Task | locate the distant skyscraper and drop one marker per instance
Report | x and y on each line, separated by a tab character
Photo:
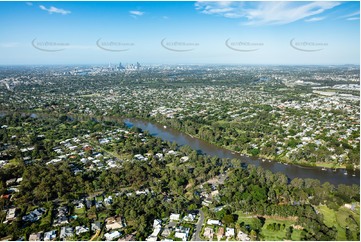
120	67
138	66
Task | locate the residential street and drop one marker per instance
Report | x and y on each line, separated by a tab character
198	227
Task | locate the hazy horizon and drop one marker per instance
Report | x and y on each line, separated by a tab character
199	33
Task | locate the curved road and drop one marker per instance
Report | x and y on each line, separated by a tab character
198	227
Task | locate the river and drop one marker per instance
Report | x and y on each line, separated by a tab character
340	176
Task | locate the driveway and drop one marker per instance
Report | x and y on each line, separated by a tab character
199	226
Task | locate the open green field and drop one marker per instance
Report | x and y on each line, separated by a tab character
341	219
248	219
267	234
330	165
281	234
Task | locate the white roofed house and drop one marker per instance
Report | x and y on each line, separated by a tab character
174	217
230	232
157	226
184	159
81	229
189	218
50	235
182	233
112	235
108	200
11	214
79	205
66	232
214	222
10	182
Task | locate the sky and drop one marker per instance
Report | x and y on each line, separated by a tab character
254	33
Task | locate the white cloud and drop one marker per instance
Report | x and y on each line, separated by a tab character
351	14
315	19
353	18
54	10
136	13
265	13
29	3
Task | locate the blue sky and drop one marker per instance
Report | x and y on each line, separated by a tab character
180	32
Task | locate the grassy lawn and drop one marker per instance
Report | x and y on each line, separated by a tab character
338	219
99	198
246	218
328	214
267	234
79	211
341	216
296	235
329	218
330	165
344	213
277	235
102	216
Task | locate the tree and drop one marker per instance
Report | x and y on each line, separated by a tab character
229	219
253	235
289	233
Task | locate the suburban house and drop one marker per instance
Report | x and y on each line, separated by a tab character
114	223
61	217
112	235
208	233
189	218
182	233
242	236
128	237
214	222
50	235
96	226
34	215
11	214
66	232
174	217
166	232
230	232
220	233
36	236
108	200
184	159
81	229
157	226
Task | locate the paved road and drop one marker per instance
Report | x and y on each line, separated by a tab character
198	227
95	235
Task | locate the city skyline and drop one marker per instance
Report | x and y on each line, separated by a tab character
254	33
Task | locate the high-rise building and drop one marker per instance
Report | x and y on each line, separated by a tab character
120	67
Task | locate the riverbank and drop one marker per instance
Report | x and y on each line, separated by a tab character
338	176
280	159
